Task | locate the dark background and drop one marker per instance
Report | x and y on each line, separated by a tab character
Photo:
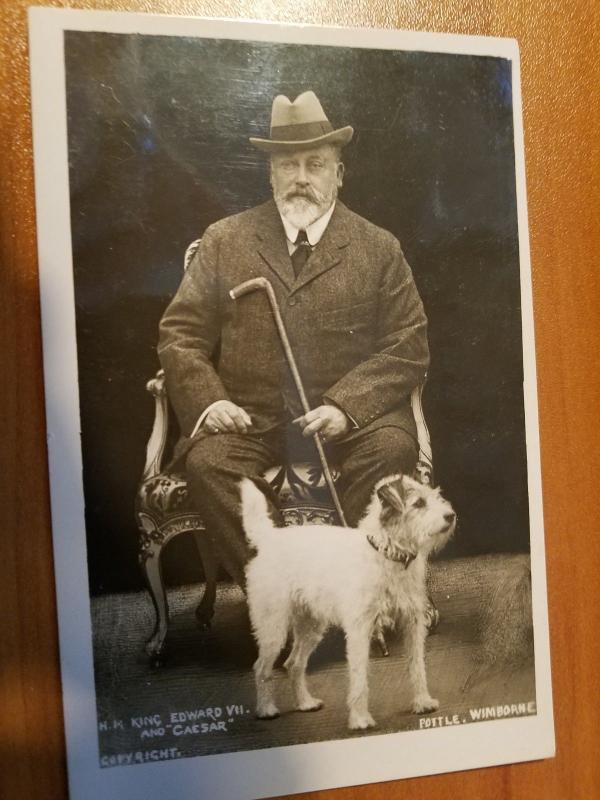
158	149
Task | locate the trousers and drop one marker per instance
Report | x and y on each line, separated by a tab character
215	465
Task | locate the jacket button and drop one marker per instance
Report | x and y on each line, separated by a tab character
292	301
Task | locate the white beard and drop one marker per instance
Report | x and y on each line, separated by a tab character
302	212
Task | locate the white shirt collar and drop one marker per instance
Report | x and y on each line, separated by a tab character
314	232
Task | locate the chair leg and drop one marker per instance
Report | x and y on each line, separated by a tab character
432	615
155	645
210	566
432	620
378	637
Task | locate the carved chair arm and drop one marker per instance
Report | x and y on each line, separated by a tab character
425	462
191	251
155	448
158	438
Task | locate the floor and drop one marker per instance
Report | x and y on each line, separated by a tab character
201	700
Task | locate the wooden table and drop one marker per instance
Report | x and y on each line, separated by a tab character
559	44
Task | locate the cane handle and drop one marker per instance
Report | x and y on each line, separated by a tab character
249	286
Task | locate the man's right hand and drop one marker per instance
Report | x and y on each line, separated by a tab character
226	417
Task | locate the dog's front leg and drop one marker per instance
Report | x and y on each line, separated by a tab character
415	635
357	652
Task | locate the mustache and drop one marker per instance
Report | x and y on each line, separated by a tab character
309	194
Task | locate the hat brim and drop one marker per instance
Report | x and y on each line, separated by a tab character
340	137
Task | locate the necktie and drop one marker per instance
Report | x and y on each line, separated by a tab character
302	252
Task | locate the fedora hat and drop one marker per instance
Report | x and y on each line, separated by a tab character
300	124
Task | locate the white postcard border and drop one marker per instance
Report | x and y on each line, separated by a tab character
279	770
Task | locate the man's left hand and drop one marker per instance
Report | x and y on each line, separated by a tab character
329	421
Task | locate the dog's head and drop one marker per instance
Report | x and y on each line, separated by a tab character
413	516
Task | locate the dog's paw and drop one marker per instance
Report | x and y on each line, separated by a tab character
360	722
268	711
310	704
425	705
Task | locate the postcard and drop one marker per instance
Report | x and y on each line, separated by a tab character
291	404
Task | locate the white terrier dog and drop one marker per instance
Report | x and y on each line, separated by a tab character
312	576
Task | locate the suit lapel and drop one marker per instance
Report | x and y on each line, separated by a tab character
273	250
330	250
272	245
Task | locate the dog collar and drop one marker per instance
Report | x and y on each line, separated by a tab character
393	553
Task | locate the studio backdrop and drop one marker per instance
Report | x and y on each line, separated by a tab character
158	131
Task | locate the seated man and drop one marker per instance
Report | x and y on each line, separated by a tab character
354	319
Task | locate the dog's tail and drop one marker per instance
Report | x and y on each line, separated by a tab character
255	512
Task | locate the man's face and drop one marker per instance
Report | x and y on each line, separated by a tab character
305	183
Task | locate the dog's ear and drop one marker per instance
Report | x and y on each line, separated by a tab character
392	494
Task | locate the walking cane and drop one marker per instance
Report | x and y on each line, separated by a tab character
264	285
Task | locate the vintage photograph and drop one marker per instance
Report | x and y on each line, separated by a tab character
301	351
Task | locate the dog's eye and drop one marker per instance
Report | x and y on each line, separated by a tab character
419	503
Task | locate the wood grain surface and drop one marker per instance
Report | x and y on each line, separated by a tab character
560	44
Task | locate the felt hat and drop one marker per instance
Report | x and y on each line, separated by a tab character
300	125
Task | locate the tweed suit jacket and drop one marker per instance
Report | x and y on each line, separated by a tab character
353	316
